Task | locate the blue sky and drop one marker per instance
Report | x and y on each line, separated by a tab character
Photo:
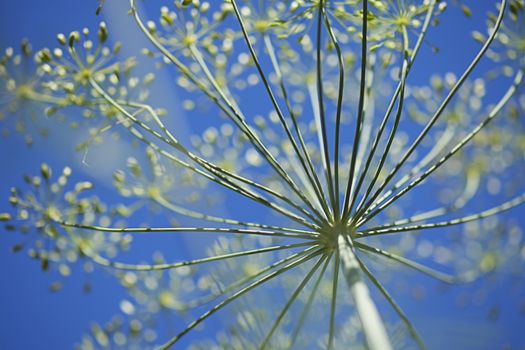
33	318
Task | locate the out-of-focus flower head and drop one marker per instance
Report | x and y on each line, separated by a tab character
389	21
498	147
121	332
80	61
41	212
162	182
192	23
154	292
302	14
509	47
81	69
197	35
23	91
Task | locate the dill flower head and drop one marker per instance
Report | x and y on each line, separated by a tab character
325	147
40	212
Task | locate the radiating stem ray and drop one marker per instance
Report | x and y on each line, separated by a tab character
314	98
393	100
95	257
220	179
217	178
333	300
290	301
266	84
310	171
323	144
241	123
235	117
442	142
360	109
156	267
458	221
443	105
467	194
221	230
368	124
201	216
215	170
307	307
237	284
411	329
438	275
339	108
230	102
233	297
492	114
430	214
384	155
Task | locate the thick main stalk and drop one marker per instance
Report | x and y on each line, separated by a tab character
372	324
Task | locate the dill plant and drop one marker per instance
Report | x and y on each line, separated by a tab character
338	140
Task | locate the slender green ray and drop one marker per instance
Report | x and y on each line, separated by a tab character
411	329
310	171
492	114
443	105
233	297
340	92
458	221
206	217
220	230
237	284
274	102
392	102
360	108
290	301
320	103
307	307
440	276
155	267
404	71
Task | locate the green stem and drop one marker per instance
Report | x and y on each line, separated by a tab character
372	325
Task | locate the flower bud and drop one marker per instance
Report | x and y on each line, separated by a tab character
74	36
61	39
102	32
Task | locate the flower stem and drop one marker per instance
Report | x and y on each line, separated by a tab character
372	324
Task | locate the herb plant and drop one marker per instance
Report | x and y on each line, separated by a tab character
341	167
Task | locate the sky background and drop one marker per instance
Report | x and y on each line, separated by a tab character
33	318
